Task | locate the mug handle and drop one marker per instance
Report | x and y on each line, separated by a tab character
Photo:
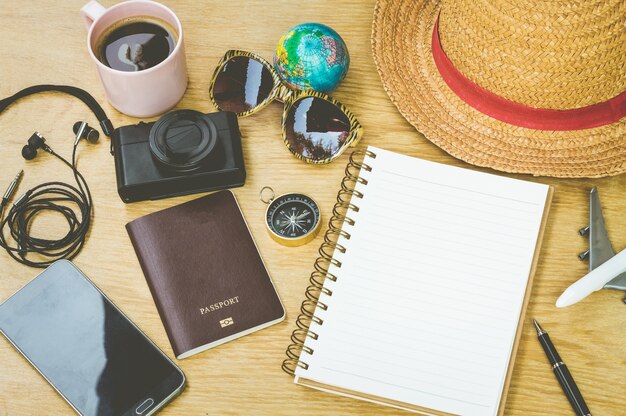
90	12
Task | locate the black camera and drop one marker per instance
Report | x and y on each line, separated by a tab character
184	152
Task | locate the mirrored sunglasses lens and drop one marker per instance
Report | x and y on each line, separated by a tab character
242	84
316	129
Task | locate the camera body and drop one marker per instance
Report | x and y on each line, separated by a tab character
184	152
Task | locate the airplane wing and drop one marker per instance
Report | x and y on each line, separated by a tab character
600	248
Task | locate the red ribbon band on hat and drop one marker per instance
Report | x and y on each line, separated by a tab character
521	115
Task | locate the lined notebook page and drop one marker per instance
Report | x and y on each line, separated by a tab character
428	297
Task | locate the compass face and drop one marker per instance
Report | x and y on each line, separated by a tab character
292	216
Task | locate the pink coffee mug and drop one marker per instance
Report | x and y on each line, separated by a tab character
144	93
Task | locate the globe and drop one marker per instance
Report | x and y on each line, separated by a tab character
312	56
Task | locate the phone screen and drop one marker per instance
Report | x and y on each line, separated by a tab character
91	353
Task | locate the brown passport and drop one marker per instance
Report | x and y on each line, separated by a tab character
205	273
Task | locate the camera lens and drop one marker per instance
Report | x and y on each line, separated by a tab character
184	140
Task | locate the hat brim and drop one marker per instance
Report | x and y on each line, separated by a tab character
401	42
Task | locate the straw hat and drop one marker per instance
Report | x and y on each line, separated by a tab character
527	86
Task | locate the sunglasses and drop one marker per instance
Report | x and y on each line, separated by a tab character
316	128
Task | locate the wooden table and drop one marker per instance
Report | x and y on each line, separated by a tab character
45	42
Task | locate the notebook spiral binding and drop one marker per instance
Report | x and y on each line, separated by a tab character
322	263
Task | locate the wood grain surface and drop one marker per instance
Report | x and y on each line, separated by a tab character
45	42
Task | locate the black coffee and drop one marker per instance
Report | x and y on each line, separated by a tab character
136	44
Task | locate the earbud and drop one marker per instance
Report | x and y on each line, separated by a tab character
82	130
35	142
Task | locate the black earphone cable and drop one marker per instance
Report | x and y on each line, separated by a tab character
49	196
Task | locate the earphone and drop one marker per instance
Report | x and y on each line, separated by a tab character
82	130
37	141
50	196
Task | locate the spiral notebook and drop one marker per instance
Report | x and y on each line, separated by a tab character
419	297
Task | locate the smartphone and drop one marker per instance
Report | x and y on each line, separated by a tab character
86	348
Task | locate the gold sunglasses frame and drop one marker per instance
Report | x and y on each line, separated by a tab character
281	92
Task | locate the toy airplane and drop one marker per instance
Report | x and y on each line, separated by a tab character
606	269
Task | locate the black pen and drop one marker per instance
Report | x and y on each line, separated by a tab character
562	374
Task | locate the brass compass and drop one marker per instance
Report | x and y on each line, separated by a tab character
291	219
